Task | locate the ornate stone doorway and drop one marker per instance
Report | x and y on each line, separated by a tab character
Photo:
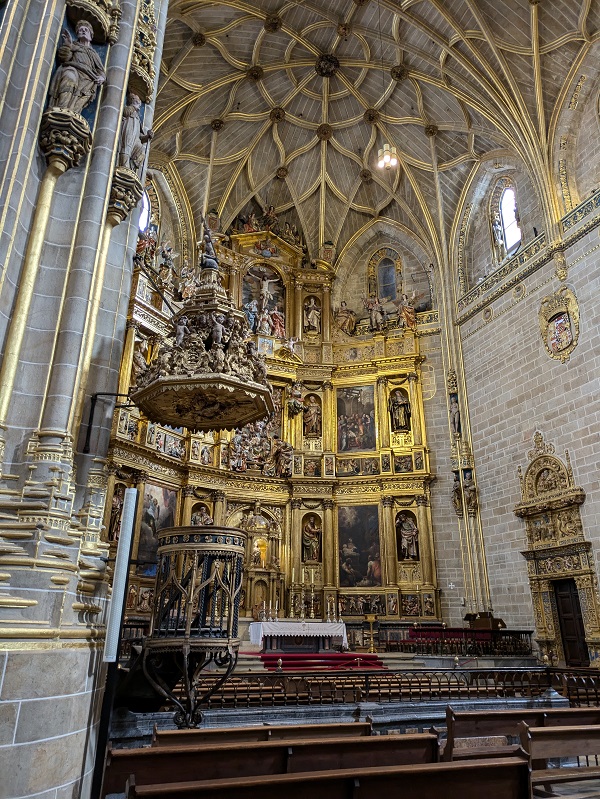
570	620
560	562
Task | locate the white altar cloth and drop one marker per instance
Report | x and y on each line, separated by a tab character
306	629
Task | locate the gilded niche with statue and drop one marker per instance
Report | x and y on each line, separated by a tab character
332	487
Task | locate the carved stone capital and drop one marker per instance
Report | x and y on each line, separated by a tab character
218	496
382	381
188	491
328	385
422	500
412	377
328	504
388	502
296	504
65	138
125	193
139	477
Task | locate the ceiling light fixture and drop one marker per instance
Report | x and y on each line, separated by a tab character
387	156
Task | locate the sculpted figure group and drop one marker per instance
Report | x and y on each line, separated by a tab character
206	343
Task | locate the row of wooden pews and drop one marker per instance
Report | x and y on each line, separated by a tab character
464	729
348	760
331	760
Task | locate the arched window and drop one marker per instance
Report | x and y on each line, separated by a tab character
144	213
387	278
510	222
504	219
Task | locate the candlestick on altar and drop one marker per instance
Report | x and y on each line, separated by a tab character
292	575
302	602
312	576
292	602
329	610
312	602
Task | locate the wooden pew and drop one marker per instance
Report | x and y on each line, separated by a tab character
157	765
503	778
542	743
259	733
485	723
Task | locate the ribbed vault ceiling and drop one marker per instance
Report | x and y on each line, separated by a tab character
239	98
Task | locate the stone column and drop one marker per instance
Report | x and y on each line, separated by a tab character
139	482
425	541
296	539
298	310
329	545
188	502
220	507
383	419
389	555
415	405
82	288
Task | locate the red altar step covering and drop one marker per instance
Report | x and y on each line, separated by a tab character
320	661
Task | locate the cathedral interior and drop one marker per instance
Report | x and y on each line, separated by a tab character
375	192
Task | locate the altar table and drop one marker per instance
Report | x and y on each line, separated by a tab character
298	636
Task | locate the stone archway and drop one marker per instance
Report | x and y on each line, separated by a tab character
556	548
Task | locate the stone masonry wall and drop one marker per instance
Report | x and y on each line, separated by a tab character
514	389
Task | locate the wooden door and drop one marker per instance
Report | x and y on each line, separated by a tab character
571	623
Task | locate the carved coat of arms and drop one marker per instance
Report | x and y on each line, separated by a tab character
559	323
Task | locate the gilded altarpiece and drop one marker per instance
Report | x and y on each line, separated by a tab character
557	548
333	489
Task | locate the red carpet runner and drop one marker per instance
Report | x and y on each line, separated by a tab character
320	661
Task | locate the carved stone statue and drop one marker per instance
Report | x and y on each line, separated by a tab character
311	540
294	402
312	316
498	235
312	416
374	307
138	363
454	415
75	82
209	255
256	555
457	496
201	518
345	319
132	138
400	413
408	536
470	493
